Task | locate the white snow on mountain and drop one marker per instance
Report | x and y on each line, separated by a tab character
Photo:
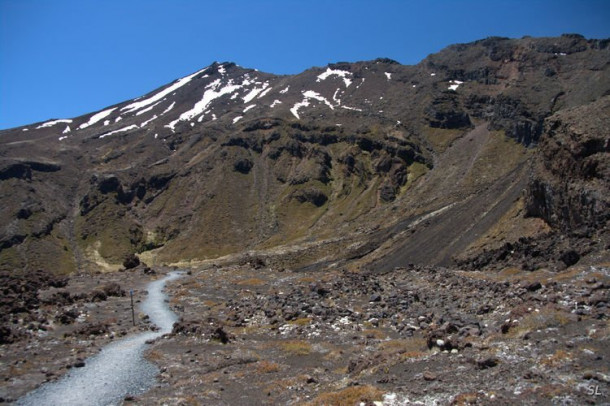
249	107
160	95
236	119
388	75
255	92
265	92
350	108
97	117
66	130
335	97
171	106
285	90
295	109
336	72
148	121
454	84
275	103
129	127
53	122
310	94
214	91
149	108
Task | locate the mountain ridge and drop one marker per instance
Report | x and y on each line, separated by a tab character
285	158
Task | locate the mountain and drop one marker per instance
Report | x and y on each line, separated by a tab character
477	155
344	231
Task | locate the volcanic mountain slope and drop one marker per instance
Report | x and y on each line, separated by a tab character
374	160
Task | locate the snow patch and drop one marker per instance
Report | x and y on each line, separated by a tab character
156	97
66	130
310	94
336	98
249	108
130	127
295	109
52	123
62	138
255	92
350	108
388	75
119	118
275	103
283	91
236	119
336	72
212	93
454	84
264	93
148	108
433	74
96	117
106	122
171	106
148	121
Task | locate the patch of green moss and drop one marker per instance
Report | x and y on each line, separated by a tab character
10	259
440	139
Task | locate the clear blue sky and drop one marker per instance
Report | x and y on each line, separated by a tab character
63	58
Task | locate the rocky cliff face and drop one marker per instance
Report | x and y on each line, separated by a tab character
353	160
570	187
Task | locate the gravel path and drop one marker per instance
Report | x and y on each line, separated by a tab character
119	369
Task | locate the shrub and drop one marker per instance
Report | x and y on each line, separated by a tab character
349	396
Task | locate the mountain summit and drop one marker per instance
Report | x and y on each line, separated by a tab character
374	160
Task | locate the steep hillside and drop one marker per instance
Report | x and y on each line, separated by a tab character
375	161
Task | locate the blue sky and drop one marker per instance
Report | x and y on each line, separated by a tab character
61	58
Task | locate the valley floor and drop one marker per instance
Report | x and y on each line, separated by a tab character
250	334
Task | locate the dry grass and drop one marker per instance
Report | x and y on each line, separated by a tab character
544	318
154	355
348	397
250	282
296	347
267	367
558	359
467	398
404	346
301	322
373	333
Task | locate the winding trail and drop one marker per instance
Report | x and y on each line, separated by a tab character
119	369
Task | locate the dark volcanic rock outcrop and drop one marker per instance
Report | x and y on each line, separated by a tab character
570	188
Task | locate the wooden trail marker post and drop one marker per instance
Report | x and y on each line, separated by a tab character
133	315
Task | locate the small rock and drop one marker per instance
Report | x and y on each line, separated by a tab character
79	364
486	363
429	376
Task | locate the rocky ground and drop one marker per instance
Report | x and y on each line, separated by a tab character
251	334
52	324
